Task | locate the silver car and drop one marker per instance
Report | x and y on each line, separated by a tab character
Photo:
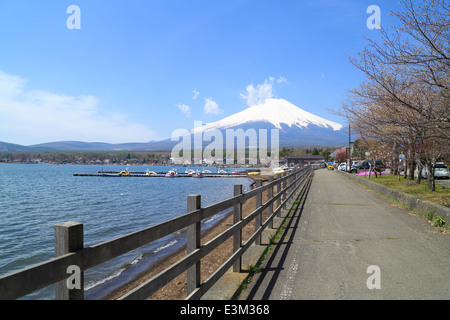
440	171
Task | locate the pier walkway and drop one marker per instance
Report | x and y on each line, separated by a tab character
347	242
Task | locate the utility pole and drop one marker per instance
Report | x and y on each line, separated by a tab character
349	149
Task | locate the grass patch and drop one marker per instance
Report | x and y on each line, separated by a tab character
441	196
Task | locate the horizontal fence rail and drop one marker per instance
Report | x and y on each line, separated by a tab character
69	250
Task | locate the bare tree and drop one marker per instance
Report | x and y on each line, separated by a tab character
404	100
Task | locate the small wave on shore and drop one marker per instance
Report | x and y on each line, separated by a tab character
101	287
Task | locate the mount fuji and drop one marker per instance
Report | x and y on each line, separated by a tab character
276	112
296	127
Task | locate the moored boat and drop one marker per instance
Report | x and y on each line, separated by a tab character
198	174
172	173
150	173
110	174
125	172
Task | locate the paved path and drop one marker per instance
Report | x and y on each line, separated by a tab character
338	233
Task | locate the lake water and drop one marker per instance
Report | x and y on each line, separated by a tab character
33	198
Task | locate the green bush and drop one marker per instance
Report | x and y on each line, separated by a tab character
439	221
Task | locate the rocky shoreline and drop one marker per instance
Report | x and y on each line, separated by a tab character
176	289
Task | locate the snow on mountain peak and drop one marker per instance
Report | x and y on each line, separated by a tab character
278	112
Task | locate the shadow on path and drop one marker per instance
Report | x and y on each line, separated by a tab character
282	248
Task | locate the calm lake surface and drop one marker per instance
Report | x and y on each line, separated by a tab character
33	198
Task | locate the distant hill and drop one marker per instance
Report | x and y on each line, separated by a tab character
296	127
4	146
66	146
76	146
91	146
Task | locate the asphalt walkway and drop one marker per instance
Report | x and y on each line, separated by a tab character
346	242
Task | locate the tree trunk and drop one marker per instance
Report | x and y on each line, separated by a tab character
412	169
419	172
431	182
405	168
411	161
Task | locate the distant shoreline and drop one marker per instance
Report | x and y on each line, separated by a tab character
135	164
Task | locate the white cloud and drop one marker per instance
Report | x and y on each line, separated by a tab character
282	80
262	92
211	107
35	116
259	94
196	93
185	109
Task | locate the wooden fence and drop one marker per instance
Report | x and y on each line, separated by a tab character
71	256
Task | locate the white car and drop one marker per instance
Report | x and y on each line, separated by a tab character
342	166
440	171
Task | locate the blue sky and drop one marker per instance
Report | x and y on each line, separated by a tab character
139	69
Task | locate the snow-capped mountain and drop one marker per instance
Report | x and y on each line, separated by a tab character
277	112
297	127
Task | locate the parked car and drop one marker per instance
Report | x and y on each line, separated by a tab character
380	165
364	165
342	166
367	164
440	171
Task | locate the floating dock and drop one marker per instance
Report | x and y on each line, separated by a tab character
158	175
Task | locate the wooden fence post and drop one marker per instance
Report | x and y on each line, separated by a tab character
269	197
284	189
237	238
69	238
193	243
258	218
278	192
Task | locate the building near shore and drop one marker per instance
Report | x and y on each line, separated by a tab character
303	160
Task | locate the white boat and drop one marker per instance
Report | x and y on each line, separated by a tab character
150	173
172	173
198	174
279	169
190	172
110	174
